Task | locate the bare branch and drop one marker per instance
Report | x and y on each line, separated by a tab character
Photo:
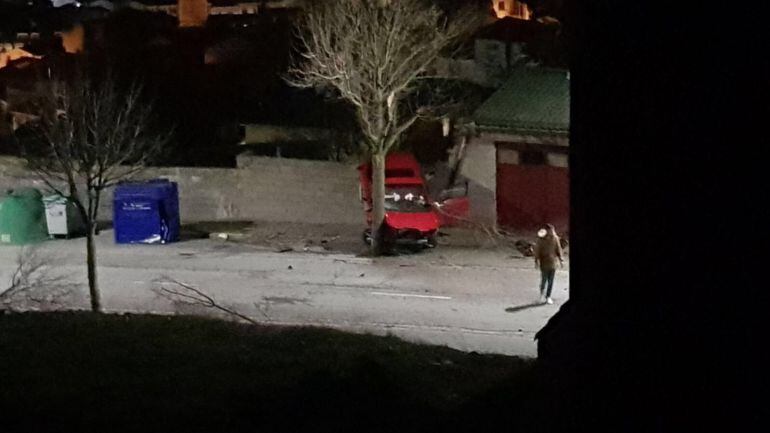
187	294
32	280
99	137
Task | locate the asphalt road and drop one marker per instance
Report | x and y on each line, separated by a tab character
466	299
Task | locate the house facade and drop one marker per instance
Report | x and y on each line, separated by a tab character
515	155
501	45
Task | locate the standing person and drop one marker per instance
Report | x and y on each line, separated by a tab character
547	252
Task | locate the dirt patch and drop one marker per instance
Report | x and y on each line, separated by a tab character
286	236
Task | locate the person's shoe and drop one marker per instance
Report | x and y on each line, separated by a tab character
549	301
542	299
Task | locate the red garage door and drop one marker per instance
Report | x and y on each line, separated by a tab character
530	192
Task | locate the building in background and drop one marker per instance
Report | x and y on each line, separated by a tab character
511	8
515	158
11	51
503	44
195	13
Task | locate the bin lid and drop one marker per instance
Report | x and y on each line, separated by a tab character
158	189
54	199
32	193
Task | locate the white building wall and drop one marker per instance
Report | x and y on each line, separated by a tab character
479	167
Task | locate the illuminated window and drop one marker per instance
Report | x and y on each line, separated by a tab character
511	8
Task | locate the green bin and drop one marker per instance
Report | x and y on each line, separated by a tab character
22	217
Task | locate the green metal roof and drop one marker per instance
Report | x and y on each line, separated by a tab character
532	100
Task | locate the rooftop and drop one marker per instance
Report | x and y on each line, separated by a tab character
532	100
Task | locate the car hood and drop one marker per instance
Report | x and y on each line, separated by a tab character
422	221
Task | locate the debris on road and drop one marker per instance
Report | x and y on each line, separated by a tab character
526	248
325	243
305	237
346	238
218	230
226	236
314	249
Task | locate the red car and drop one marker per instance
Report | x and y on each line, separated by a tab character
410	217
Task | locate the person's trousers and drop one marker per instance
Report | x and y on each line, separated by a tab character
546	281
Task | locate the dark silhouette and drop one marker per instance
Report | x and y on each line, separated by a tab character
662	153
518	308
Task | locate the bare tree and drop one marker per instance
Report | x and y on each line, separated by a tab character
32	281
375	54
95	136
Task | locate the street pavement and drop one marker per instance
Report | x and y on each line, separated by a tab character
472	300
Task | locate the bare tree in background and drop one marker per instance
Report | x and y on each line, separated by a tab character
95	135
374	54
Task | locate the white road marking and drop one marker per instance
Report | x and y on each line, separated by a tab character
410	295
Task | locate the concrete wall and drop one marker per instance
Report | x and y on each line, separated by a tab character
261	188
300	190
479	167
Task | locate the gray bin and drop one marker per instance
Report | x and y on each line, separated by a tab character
62	217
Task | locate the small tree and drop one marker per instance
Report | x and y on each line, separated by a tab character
94	136
374	54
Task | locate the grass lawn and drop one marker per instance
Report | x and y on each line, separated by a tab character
85	372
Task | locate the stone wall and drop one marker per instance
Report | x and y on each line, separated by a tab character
261	188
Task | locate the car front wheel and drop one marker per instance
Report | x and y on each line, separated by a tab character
366	236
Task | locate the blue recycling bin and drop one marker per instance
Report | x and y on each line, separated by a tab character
146	212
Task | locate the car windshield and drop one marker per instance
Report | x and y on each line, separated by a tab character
406	199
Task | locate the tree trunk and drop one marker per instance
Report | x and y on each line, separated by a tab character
93	286
456	161
378	203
